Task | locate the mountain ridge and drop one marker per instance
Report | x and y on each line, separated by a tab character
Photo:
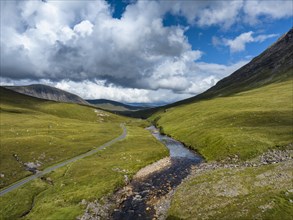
48	93
275	64
113	105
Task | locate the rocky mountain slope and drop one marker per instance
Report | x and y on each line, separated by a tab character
48	92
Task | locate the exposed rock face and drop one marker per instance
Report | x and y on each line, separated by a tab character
48	92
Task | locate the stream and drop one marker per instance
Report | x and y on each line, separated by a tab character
148	191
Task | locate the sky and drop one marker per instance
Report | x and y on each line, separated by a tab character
130	51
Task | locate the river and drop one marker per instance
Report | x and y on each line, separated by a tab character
145	193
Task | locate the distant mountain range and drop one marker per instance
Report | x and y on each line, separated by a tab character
48	92
54	94
115	106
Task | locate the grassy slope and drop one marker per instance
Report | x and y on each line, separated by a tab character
49	132
243	193
245	124
89	179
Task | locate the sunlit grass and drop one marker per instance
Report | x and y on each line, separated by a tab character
47	132
245	124
89	179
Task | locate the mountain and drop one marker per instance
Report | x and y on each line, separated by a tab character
244	117
148	105
275	64
114	106
244	114
48	92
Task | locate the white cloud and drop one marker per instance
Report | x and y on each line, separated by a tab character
227	13
271	9
263	37
79	43
238	43
205	13
98	90
82	41
84	28
208	74
203	77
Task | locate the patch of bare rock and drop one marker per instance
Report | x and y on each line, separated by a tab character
154	167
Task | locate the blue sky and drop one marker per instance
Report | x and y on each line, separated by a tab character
135	51
201	37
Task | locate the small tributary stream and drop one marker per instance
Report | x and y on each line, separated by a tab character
145	192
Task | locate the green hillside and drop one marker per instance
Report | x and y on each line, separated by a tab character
245	124
60	194
244	114
271	66
47	132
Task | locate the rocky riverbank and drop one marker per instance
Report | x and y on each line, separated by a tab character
142	196
260	188
269	157
149	194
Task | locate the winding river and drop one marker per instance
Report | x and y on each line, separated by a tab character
145	193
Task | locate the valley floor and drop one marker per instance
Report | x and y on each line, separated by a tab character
260	188
64	193
247	134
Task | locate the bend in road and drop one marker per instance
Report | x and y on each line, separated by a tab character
64	163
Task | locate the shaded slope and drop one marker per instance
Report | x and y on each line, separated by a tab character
48	92
113	105
275	64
